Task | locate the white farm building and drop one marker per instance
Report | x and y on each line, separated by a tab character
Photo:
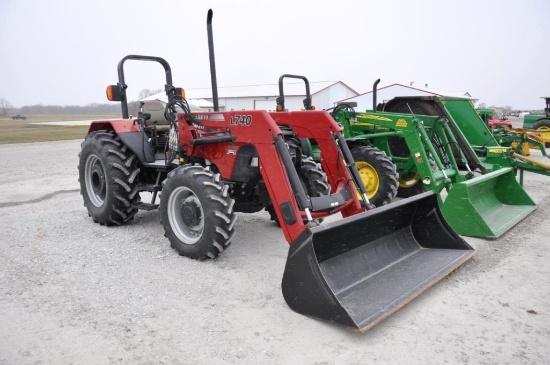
263	97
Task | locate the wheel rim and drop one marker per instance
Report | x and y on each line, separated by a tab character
369	176
186	215
409	181
544	131
94	178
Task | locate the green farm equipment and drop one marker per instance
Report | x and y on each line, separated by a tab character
520	139
540	123
427	154
495	149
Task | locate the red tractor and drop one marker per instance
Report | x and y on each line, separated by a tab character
209	165
499	119
493	119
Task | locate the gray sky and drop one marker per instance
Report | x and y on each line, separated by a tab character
65	52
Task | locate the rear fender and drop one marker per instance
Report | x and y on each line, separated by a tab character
130	134
530	120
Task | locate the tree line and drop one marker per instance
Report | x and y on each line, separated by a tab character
94	108
90	109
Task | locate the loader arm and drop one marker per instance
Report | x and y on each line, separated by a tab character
417	134
494	148
259	128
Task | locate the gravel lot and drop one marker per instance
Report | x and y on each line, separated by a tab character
74	292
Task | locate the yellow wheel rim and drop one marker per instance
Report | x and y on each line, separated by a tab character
408	182
370	178
544	131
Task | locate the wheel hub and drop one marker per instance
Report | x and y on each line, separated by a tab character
95	180
190	212
98	180
409	180
369	176
544	131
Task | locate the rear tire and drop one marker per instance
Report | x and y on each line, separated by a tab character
543	126
197	212
108	173
378	173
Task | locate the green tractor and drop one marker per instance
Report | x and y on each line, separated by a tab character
429	153
475	201
540	123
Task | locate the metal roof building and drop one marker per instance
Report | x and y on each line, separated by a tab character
263	97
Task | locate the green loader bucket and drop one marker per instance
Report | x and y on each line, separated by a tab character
361	269
487	206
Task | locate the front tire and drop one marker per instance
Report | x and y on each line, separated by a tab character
410	183
197	212
108	173
378	173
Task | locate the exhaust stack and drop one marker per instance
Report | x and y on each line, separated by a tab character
374	91
212	60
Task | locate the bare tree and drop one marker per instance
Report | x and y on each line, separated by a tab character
147	92
4	106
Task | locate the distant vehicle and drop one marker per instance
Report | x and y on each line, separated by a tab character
539	121
499	119
19	116
493	119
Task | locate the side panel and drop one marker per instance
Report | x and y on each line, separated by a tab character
251	127
469	122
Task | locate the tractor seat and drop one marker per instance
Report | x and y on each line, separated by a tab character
156	109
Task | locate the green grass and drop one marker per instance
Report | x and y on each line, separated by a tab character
22	131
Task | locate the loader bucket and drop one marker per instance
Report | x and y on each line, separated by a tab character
361	269
487	206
